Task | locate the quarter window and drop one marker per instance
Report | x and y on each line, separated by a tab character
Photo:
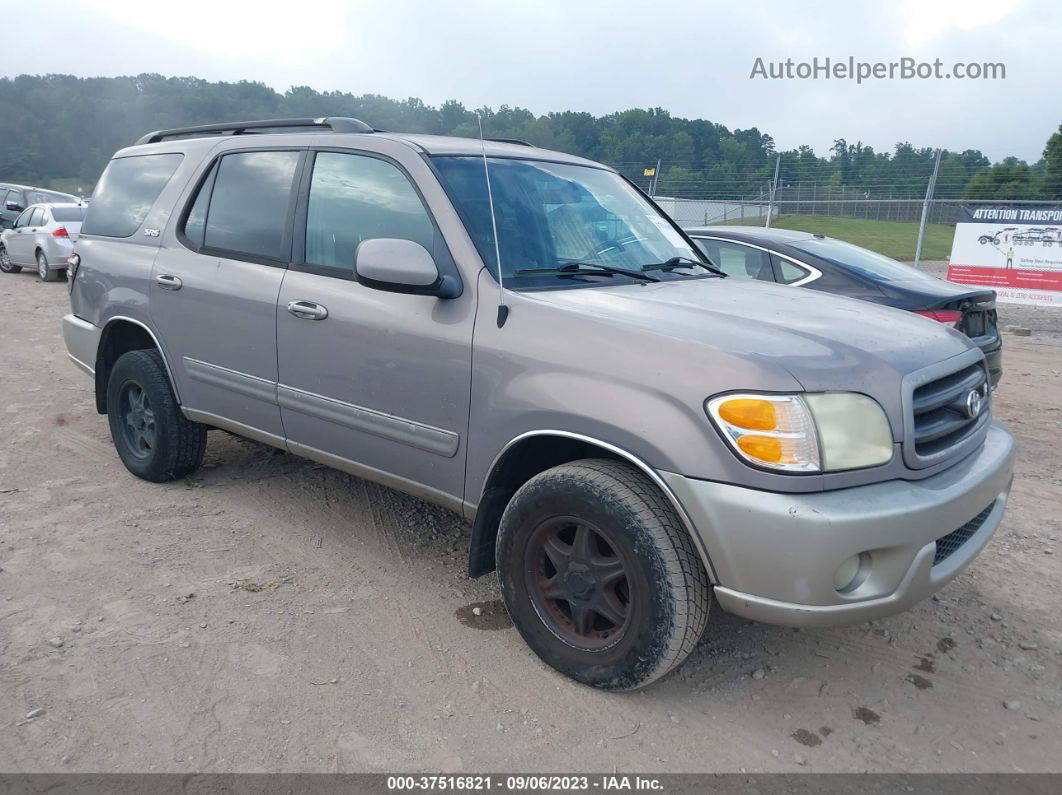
247	210
37	219
126	192
195	224
734	259
355	198
790	272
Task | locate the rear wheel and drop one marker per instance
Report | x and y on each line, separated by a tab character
153	438
45	273
599	575
6	265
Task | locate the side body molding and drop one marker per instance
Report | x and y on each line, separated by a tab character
388	426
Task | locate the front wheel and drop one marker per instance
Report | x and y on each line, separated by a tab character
599	575
45	273
6	265
153	438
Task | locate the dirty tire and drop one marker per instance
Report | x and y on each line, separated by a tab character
668	595
6	265
45	273
177	445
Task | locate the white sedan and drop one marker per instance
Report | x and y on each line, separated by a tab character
43	237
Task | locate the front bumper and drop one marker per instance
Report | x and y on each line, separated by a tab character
82	339
775	555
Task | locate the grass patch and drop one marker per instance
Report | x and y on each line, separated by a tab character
896	239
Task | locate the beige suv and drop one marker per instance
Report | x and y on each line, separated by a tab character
522	336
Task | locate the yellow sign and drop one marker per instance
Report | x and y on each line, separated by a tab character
649	172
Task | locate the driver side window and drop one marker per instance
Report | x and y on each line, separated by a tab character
355	198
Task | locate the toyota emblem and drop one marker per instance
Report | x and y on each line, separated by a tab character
973	403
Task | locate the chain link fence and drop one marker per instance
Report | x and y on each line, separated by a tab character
910	199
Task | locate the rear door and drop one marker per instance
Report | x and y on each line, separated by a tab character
42	230
215	293
378	383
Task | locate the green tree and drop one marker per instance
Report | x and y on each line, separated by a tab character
1012	179
1052	179
60	126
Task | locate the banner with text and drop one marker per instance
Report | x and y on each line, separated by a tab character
1014	249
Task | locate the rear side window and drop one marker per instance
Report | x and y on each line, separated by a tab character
355	198
37	219
246	210
734	259
126	191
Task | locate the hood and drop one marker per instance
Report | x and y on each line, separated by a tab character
825	342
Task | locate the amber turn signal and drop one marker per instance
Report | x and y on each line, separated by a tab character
753	414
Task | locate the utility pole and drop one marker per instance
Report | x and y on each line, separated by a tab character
925	209
774	189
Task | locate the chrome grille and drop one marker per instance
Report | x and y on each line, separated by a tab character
942	411
950	543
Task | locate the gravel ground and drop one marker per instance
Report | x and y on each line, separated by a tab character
269	614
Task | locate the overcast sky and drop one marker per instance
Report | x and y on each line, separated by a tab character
692	58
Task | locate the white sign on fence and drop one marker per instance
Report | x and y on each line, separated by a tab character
1015	249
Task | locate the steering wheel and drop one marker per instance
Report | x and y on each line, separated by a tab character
604	246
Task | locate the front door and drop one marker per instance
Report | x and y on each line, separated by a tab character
373	382
20	242
215	288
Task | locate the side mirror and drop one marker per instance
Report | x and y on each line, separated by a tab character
14	207
401	266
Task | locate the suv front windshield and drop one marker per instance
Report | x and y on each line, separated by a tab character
553	214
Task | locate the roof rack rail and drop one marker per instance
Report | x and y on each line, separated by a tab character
516	141
337	124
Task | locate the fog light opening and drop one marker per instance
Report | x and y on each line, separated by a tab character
851	573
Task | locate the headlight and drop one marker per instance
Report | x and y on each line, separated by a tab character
824	432
853	430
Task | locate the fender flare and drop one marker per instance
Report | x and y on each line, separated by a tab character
154	338
480	531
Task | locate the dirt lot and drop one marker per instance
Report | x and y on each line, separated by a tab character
270	614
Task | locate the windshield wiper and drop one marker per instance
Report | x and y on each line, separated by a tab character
587	269
683	262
